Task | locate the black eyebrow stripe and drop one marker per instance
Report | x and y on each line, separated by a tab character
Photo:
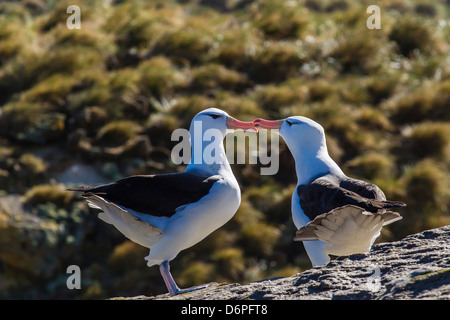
292	122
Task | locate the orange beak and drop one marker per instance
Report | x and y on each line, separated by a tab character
267	124
233	123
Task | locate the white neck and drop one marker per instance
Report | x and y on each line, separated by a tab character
209	157
313	163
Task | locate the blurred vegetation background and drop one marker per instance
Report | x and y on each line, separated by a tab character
93	105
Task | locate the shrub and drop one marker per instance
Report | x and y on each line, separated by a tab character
242	106
235	46
410	34
123	95
276	62
441	102
32	164
425	9
52	90
371	166
429	100
125	254
90	119
337	6
412	106
160	127
319	89
45	193
137	27
187	44
427	195
116	133
354	91
196	272
374	119
186	107
247	214
381	87
131	26
230	262
429	139
29	123
57	13
18	174
11	39
352	138
264	197
279	19
274	98
424	182
19	74
357	51
215	76
83	38
159	77
67	60
259	238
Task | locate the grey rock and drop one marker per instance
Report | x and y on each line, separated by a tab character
417	267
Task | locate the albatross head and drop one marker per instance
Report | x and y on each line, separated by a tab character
213	118
300	133
305	139
207	131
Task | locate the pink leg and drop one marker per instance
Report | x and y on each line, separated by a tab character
164	268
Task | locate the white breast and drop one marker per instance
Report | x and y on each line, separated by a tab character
197	220
298	216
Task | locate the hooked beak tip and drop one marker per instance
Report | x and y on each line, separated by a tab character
267	124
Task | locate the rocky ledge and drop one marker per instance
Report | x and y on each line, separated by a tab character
417	267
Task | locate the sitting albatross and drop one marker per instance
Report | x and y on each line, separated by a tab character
171	212
335	214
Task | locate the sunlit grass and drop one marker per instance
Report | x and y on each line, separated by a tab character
48	193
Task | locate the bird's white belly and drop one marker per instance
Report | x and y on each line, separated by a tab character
298	216
196	221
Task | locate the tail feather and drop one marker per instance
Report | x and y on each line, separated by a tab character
128	224
393	204
346	230
390	217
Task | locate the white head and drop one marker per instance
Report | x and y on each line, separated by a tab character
301	134
207	131
305	139
213	118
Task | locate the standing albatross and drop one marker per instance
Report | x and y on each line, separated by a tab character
171	212
335	214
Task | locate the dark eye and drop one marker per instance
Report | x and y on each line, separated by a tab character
214	116
289	122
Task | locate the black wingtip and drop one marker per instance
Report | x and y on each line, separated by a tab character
87	191
82	189
395	204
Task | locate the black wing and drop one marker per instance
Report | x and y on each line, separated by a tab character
158	195
327	193
363	188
